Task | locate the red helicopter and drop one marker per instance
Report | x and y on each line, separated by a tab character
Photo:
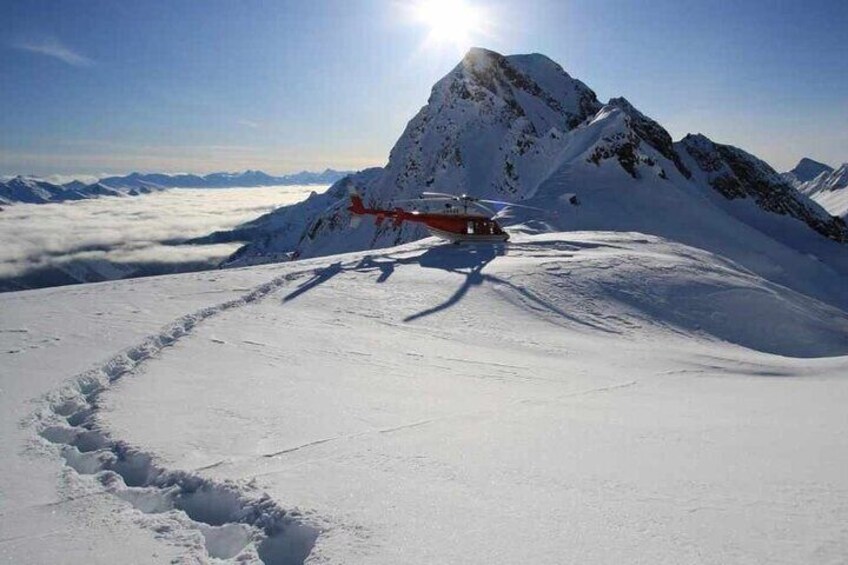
454	223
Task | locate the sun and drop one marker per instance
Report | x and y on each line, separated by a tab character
451	22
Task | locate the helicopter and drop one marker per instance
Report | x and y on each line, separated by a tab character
462	218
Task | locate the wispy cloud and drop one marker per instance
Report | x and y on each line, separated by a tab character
248	123
53	48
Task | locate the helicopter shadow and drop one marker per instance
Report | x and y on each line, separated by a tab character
471	264
469	261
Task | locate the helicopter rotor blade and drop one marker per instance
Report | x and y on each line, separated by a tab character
483	207
440	194
514	205
463	200
424	202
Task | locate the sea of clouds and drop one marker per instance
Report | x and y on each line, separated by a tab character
121	232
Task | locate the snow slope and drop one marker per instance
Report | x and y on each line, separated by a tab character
834	201
46	515
585	397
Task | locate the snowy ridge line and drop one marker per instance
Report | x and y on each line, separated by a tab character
221	520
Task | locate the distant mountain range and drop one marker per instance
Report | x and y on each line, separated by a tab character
822	183
33	190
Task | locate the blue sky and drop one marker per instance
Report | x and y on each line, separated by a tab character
108	86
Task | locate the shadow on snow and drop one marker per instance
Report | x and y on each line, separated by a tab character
466	260
741	315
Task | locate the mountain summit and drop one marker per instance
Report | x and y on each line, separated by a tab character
807	169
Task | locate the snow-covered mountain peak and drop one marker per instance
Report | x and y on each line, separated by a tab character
29	190
519	86
491	127
519	128
808	169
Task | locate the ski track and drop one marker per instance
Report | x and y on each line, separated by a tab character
234	520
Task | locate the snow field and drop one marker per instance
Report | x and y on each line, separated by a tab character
455	393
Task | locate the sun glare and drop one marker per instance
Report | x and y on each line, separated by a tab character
451	22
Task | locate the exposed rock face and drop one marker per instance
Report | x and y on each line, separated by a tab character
737	174
632	140
624	147
652	133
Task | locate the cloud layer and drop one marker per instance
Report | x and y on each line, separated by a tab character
109	233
